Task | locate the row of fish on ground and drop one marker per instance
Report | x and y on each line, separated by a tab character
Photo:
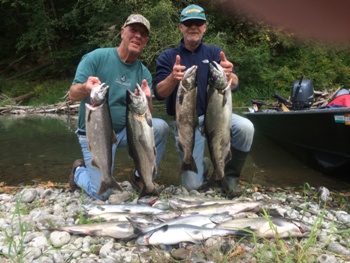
183	219
139	127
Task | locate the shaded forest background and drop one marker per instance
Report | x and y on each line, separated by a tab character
43	40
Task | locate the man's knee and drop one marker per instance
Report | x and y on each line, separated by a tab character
242	135
161	128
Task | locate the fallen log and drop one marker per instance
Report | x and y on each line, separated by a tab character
54	108
22	97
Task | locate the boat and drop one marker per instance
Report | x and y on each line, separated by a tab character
318	136
321	137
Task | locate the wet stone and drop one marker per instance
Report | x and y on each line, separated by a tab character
324	258
58	238
180	254
28	195
44	210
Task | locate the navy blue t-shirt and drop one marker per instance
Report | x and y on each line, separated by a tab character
202	56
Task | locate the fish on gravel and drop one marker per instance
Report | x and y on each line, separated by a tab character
101	136
178	203
268	228
194	220
187	118
118	230
230	209
140	137
174	234
217	121
123	208
120	216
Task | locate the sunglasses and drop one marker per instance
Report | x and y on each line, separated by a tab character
196	22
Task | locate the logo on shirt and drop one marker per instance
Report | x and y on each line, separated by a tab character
205	61
122	81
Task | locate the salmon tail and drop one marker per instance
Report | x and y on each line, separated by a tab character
190	166
111	183
146	191
136	227
94	164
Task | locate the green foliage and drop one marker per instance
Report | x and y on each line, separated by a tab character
164	18
15	236
45	92
45	40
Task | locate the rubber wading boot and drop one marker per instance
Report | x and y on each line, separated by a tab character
193	181
233	171
72	185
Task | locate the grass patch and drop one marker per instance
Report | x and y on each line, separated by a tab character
15	234
41	92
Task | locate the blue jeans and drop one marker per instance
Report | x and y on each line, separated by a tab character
88	178
241	139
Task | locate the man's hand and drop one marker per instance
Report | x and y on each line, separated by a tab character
145	88
226	65
91	83
177	72
167	85
80	91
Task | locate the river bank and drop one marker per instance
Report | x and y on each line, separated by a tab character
29	216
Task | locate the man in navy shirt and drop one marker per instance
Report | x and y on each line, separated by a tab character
170	68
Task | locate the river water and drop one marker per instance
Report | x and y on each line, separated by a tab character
42	148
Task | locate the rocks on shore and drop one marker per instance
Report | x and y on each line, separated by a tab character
28	220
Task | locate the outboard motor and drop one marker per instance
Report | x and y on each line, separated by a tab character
302	95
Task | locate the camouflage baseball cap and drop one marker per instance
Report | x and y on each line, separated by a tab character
137	18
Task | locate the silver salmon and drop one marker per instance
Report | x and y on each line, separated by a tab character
195	220
228	208
101	137
123	208
121	217
174	234
187	118
140	137
217	120
268	228
119	230
178	203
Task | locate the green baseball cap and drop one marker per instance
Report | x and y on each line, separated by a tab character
137	18
192	12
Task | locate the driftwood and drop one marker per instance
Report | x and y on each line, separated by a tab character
63	107
329	97
29	71
22	97
14	62
321	99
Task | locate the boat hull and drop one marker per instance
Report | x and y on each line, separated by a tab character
321	137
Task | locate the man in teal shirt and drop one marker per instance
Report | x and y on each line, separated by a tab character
121	69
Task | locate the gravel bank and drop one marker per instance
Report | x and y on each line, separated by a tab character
28	219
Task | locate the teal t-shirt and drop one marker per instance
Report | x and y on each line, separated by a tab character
106	64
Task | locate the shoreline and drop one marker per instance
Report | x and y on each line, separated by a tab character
29	216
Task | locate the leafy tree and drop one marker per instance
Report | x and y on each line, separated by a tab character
53	35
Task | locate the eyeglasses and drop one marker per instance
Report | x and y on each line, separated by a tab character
196	22
135	29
